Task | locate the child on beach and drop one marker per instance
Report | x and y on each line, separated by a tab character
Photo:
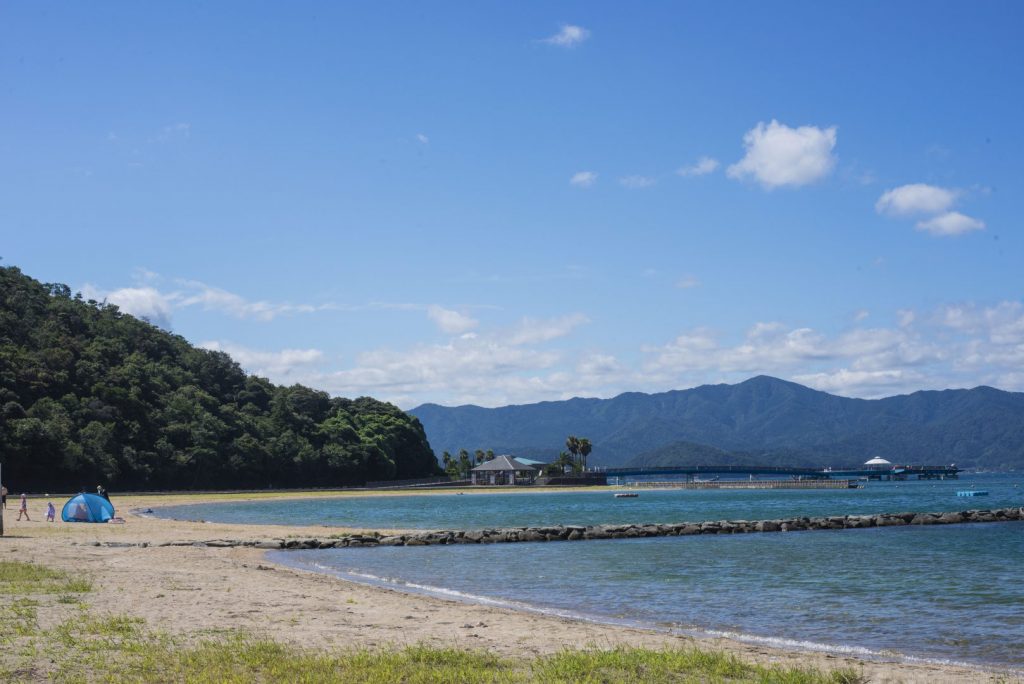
51	512
24	508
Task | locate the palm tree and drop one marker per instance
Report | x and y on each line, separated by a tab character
572	443
585	446
479	454
489	456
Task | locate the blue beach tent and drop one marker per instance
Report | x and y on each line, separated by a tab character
87	508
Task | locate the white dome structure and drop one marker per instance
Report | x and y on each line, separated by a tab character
877	461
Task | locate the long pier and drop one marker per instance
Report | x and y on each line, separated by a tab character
744	484
920	472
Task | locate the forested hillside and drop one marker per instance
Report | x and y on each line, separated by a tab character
91	395
763	418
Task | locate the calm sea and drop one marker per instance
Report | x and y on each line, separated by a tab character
950	593
475	511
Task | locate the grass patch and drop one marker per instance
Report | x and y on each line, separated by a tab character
86	646
679	665
18	578
136	656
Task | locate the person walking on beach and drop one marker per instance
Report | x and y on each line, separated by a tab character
51	512
3	497
24	508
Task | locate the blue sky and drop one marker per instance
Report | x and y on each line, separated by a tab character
506	203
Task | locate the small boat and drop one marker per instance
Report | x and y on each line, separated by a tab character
626	495
973	492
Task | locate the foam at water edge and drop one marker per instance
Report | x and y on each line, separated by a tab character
781	643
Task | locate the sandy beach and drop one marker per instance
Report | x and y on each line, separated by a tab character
197	590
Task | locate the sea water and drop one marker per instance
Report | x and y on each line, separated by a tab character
454	511
947	593
951	593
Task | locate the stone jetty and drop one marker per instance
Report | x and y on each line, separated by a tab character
505	535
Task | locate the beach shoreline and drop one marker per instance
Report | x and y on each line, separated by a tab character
199	589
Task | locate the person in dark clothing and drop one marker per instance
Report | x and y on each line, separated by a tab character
102	492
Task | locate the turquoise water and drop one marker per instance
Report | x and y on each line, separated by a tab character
474	511
949	593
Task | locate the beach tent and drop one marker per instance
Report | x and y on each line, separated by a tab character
87	508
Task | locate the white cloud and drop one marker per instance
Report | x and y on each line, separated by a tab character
282	366
950	223
816	358
142	302
861	383
216	299
687	282
778	155
532	330
636	182
422	138
147	301
569	36
860	315
955	346
450	321
931	201
583	179
704	166
915	198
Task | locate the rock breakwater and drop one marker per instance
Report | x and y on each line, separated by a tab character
504	535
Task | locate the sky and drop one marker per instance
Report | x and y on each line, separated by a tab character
497	203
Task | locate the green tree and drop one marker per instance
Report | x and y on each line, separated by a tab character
572	443
585	448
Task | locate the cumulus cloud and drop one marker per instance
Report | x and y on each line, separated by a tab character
932	201
804	354
861	383
142	302
583	179
568	37
950	223
450	321
777	155
915	198
636	182
702	167
960	345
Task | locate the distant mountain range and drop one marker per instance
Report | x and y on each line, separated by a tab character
761	420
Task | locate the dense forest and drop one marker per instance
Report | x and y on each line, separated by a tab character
90	395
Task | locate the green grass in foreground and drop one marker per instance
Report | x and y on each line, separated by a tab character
85	646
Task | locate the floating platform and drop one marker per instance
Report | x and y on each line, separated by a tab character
973	492
626	495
